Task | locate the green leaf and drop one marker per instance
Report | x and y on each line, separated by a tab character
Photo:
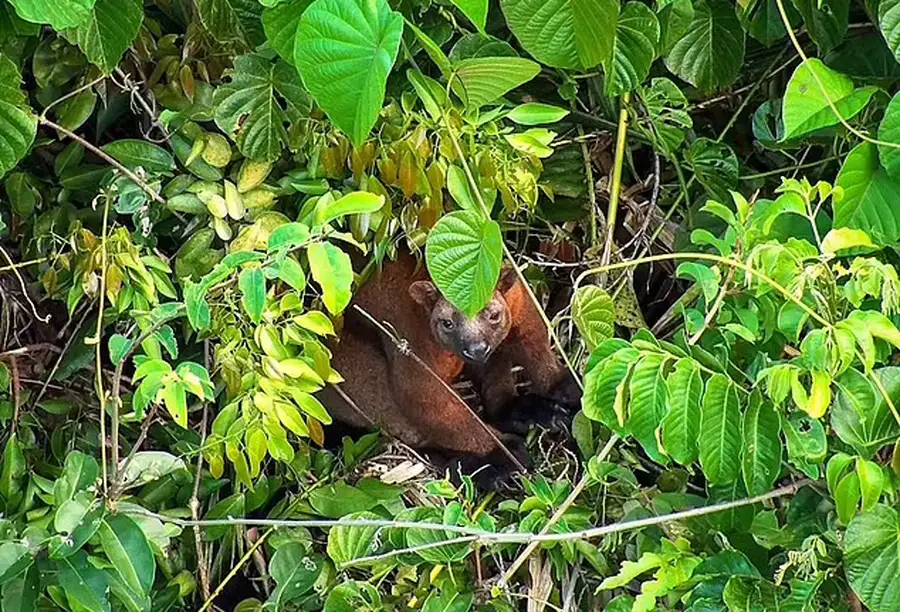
889	131
575	34
353	596
332	270
355	203
175	399
682	421
344	52
889	22
826	21
280	23
20	124
648	395
633	49
79	472
483	80
126	546
871	482
716	167
248	109
475	10
233	20
674	18
594	314
288	236
111	27
351	542
667	113
135	154
463	254
196	306
60	14
762	20
535	113
148	466
871	558
15	558
762	447
846	497
289	271
294	570
805	108
720	431
602	386
860	417
711	52
21	594
706	277
84	584
119	346
869	196
252	283
233	507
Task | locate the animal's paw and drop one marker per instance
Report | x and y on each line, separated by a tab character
530	409
494	470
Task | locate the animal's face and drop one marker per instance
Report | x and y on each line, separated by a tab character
475	339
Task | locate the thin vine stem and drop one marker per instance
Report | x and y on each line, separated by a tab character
98	347
615	186
483	536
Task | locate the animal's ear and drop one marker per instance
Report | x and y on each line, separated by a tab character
425	293
508	278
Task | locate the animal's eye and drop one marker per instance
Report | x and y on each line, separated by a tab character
495	316
447	324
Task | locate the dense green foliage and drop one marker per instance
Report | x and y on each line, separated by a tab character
186	181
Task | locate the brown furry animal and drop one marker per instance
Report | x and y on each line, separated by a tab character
396	393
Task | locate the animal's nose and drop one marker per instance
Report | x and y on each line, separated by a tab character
477	351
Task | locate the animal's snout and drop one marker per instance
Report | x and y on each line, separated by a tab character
476	352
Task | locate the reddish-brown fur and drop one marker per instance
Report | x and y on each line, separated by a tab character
527	345
393	390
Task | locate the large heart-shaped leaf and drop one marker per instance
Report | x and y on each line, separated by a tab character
889	21
574	34
344	52
762	20
870	195
805	108
860	417
20	124
248	109
826	21
280	23
463	255
483	80
60	14
682	421
872	558
294	571
111	27
126	546
633	49
720	431
233	20
594	313
475	10
711	52
889	131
